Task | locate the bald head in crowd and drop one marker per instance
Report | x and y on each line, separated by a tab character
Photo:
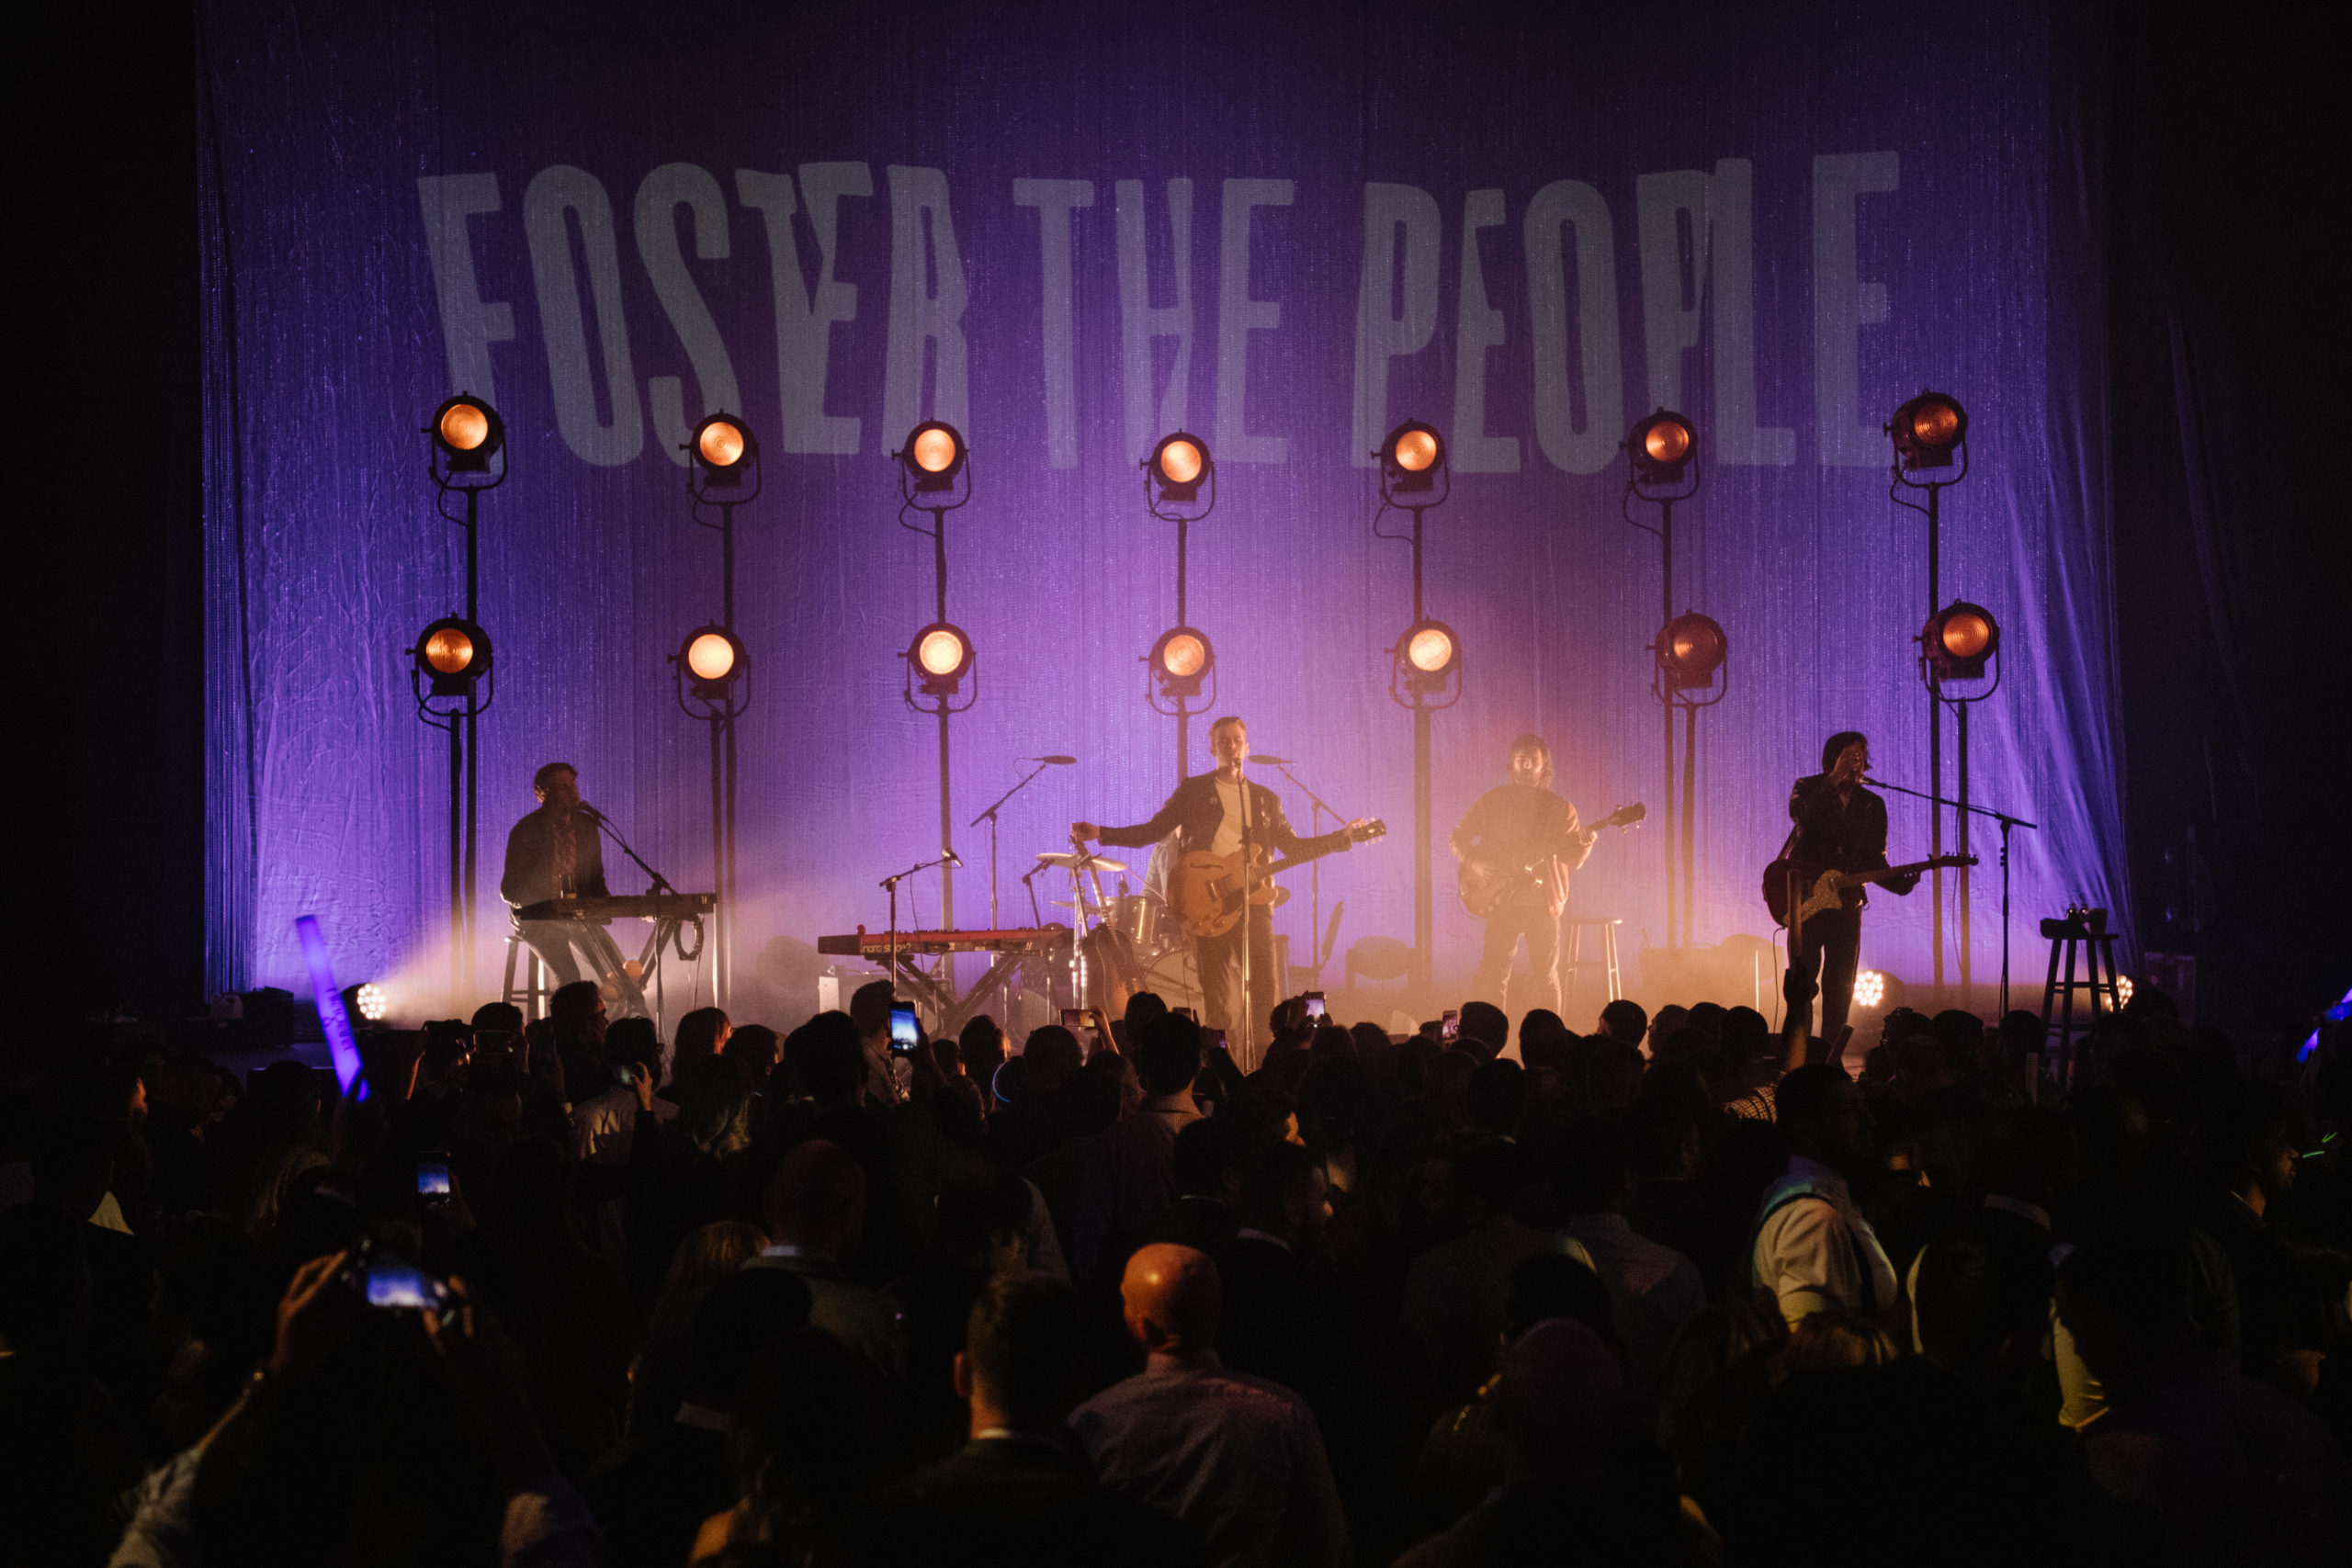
1172	1299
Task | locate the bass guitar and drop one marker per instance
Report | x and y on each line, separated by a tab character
1814	889
1486	885
1207	890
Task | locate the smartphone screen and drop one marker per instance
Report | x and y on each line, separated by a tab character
904	1035
1074	1019
625	1074
1450	1026
384	1281
433	1175
1212	1039
1315	1005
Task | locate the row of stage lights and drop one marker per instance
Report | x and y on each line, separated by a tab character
453	654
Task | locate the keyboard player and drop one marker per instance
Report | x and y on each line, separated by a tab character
554	853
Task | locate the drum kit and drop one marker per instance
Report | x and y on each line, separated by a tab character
1142	946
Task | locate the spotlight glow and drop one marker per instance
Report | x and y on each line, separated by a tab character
464	427
1870	989
934	449
1179	461
721	444
375	1002
1416	450
710	657
1184	655
1667	441
2123	990
449	651
1967	634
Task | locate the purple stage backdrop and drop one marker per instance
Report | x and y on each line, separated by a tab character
1071	229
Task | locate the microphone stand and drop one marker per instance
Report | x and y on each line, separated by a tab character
892	882
1318	810
661	884
2006	822
988	816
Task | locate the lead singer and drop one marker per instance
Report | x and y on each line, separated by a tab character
1213	811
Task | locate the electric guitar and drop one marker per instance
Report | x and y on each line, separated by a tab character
1486	885
1207	890
1816	889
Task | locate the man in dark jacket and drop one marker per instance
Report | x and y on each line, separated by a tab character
554	853
1841	826
1220	812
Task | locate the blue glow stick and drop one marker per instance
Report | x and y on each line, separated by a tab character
341	1046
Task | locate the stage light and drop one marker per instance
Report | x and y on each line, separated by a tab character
723	448
1427	655
1870	989
1177	464
452	654
370	1001
713	660
1414	454
1926	431
1180	661
468	431
1960	640
932	453
942	654
2123	990
1661	448
1690	651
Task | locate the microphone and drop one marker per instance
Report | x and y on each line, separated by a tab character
592	811
1056	761
949	857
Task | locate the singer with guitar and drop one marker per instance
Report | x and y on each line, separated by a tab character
1517	844
1225	814
1841	826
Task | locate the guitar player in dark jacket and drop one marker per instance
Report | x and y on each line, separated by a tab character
1528	838
1214	811
1841	826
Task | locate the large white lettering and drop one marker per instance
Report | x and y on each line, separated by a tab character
659	196
1395	304
805	316
1478	330
1055	200
555	196
1843	304
1141	322
1238	316
927	299
1731	272
470	324
1588	447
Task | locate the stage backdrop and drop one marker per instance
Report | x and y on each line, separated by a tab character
1069	229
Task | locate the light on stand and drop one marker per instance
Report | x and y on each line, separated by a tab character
933	455
1690	651
1178	466
1927	431
723	449
1957	641
1180	661
468	432
1427	656
1412	458
943	655
712	660
452	654
1662	448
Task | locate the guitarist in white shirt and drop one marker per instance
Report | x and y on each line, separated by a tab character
1216	811
1519	825
1841	826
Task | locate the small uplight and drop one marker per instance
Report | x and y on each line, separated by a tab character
469	432
935	450
1870	989
1177	464
723	448
1690	649
1960	640
1926	430
372	1001
1180	661
713	659
1413	454
2123	990
453	654
1661	448
1428	654
942	654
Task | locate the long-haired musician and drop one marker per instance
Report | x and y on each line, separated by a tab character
1841	826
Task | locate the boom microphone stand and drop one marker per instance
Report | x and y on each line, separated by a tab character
1319	808
2006	822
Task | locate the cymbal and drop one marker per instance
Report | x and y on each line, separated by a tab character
1069	861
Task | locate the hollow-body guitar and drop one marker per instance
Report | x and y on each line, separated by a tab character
1207	889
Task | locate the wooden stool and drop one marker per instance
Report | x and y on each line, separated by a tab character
534	995
1606	962
2085	929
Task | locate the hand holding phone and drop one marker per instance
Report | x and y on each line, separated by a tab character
906	1035
1315	1008
433	1177
391	1283
1449	1026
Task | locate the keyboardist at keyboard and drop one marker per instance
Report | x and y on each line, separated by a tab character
554	854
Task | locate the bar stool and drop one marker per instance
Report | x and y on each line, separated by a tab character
535	993
1606	962
2086	929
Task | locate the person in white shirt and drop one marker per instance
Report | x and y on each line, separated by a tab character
1814	1249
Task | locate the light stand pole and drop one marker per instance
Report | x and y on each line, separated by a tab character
1967	809
1691	653
451	674
1426	661
1172	477
1958	643
930	466
723	470
1664	449
714	686
466	433
1928	432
